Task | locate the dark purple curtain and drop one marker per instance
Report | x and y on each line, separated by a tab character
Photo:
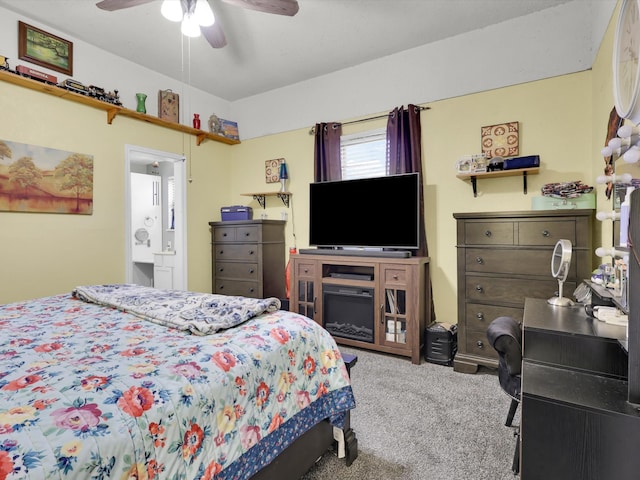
327	152
404	155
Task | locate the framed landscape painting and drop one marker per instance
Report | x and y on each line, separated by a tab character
44	49
44	180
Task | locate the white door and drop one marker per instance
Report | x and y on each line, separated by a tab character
146	217
135	158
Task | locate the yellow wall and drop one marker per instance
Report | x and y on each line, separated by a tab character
44	254
562	119
555	122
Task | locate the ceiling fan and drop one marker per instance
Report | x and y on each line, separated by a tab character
213	33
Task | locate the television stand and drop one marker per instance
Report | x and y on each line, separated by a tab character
357	253
369	302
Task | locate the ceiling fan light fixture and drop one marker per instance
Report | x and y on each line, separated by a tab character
171	10
190	26
204	14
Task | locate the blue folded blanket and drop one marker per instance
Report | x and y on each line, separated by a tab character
198	313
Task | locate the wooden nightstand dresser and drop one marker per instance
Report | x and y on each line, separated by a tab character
247	258
504	257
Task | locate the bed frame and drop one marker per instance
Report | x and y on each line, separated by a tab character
304	452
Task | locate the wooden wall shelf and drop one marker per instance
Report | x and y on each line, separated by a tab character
112	110
499	173
261	198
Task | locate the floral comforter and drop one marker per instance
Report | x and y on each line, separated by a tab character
88	391
198	313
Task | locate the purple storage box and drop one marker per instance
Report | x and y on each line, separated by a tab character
236	212
521	162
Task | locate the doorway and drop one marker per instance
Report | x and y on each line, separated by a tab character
169	170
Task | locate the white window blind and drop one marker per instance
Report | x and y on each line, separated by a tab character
363	155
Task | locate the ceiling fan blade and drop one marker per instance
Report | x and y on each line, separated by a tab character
214	35
279	7
111	5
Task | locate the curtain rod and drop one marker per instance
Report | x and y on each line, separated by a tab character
313	129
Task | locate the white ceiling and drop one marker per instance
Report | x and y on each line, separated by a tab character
266	52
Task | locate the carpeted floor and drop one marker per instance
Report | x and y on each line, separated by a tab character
423	422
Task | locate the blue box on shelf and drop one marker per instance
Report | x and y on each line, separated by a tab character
236	212
521	162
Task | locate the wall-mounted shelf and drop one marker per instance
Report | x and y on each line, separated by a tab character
112	110
261	198
499	173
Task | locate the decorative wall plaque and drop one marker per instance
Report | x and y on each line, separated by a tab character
500	140
169	106
272	170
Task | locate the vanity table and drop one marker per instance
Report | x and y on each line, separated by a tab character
576	421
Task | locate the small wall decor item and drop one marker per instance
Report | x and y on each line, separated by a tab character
229	129
272	170
214	125
44	180
169	106
140	105
500	140
196	121
44	49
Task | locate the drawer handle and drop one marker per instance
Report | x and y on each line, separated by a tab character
479	260
480	316
221	287
221	269
487	233
480	344
251	290
220	252
224	234
545	233
251	270
246	234
479	288
395	277
251	252
306	270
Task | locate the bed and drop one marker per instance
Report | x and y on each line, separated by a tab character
122	381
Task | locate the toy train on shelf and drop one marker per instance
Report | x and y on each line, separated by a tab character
69	84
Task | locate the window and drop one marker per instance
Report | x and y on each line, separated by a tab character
363	155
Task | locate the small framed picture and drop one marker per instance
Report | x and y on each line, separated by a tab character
44	49
169	106
272	170
500	140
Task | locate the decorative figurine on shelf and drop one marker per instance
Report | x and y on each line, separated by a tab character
196	121
284	175
140	106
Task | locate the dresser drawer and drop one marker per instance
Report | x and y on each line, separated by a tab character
529	262
479	316
546	232
239	271
239	251
236	288
478	344
244	233
489	233
512	291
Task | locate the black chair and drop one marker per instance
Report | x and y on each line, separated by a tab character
505	335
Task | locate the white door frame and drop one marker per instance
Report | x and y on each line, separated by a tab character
134	154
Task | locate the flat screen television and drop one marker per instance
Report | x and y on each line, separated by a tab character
375	213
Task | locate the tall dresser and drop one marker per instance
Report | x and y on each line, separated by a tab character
247	258
504	257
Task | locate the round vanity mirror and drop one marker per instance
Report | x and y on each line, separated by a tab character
560	263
